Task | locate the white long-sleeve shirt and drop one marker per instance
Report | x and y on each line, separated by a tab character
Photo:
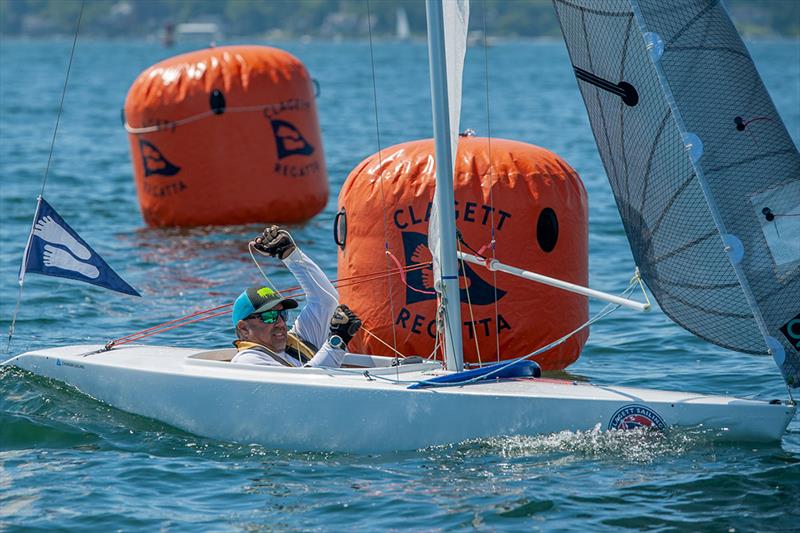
313	323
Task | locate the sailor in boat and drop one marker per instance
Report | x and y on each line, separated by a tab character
260	314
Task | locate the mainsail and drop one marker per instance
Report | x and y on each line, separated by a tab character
455	19
447	44
704	173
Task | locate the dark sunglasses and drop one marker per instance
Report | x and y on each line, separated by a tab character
270	317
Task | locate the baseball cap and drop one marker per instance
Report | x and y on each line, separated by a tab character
257	300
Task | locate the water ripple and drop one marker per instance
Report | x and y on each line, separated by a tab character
70	462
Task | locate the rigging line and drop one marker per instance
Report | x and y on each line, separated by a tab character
44	182
334	296
14	319
477	253
290	292
250	248
366	278
432	355
491	174
448	333
403	276
63	94
174	321
606	311
380	171
21	278
158	329
368	332
174	326
637	278
469	304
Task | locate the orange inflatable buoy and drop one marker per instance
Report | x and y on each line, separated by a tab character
226	135
532	201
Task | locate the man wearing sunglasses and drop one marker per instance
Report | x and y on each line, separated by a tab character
260	315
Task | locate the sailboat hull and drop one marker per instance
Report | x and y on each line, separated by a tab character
346	410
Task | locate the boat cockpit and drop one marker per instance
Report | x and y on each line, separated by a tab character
351	360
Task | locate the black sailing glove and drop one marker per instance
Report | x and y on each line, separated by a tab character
344	323
276	242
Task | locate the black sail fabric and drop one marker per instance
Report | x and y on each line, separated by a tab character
704	173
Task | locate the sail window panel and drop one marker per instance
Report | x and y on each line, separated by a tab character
778	213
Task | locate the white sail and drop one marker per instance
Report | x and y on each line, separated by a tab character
402	30
456	26
447	43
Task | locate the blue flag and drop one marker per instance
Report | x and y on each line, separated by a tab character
55	249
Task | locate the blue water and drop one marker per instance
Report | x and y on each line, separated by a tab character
68	461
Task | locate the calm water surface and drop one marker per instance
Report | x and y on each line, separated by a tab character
70	462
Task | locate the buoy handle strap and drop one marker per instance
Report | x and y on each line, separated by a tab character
172	124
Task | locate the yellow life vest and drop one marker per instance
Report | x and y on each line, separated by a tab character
301	350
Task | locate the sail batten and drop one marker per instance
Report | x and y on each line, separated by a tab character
699	165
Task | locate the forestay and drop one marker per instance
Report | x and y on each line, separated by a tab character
704	173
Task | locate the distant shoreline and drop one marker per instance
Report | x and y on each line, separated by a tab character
301	40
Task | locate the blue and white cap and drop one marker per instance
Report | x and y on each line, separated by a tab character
257	300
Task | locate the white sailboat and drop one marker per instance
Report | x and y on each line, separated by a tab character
371	405
402	27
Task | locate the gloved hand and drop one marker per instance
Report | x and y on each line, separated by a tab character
275	241
344	323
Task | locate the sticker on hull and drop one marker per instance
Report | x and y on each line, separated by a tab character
636	416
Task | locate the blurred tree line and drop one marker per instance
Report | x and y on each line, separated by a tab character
325	18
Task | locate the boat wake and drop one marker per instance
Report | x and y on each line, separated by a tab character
641	445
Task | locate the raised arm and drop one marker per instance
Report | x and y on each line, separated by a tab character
321	297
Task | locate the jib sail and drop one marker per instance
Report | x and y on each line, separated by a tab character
705	175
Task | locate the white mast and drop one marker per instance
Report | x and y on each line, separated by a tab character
442	231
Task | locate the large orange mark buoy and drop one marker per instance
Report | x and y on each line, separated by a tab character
226	135
536	205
